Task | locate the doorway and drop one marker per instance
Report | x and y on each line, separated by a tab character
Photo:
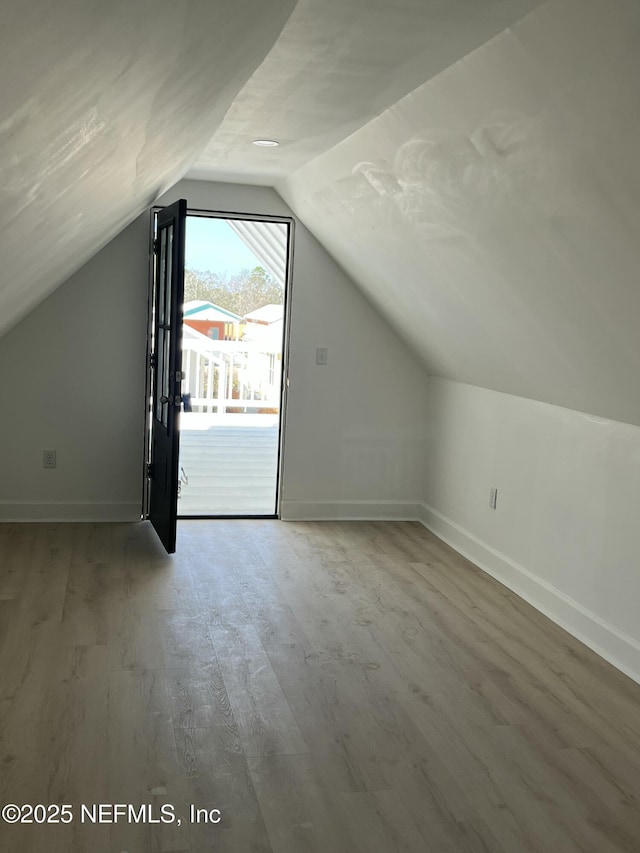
234	349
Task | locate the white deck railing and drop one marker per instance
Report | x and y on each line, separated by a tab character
223	375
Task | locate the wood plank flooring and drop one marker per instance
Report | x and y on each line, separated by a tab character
329	687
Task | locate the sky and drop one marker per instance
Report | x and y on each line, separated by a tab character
212	245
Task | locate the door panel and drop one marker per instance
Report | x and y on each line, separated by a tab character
168	296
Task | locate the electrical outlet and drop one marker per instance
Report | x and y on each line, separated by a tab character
322	355
493	497
48	458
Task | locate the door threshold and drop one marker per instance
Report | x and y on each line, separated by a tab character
224	517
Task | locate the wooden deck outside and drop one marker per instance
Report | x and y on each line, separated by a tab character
228	464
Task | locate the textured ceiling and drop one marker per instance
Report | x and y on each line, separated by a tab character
337	64
473	165
104	105
493	214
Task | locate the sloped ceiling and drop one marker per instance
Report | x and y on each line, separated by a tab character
473	165
103	106
493	214
338	64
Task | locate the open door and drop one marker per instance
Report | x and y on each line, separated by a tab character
234	351
166	364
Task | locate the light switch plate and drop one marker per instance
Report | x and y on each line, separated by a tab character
322	355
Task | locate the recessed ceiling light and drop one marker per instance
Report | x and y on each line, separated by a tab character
266	143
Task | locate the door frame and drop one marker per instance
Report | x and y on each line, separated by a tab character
286	347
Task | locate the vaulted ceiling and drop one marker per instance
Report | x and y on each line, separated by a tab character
472	165
103	106
493	214
337	65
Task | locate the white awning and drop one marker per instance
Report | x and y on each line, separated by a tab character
267	241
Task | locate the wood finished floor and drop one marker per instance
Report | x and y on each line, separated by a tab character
335	688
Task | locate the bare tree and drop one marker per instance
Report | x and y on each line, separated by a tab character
241	293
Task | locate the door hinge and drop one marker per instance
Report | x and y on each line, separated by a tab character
153	360
155	246
149	470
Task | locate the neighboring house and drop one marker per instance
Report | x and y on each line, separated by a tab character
264	326
211	320
270	337
266	314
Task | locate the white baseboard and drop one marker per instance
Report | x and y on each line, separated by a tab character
349	511
603	638
59	511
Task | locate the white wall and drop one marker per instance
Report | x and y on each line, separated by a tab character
74	372
565	534
355	429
